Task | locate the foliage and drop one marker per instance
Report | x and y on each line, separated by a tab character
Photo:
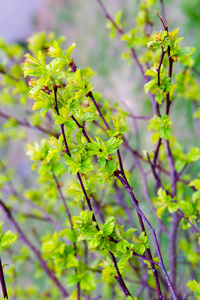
80	224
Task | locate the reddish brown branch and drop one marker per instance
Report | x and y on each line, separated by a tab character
22	236
119	278
3	283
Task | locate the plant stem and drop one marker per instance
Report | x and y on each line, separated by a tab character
121	32
63	200
125	183
119	278
2	280
160	64
157	178
35	251
152	230
25	123
163	10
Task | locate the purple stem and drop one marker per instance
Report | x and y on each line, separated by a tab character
163	10
35	251
2	280
125	183
152	230
121	32
119	278
63	200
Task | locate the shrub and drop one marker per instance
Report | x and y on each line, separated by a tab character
99	204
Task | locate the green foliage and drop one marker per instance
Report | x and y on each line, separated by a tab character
87	223
195	287
165	201
161	126
6	239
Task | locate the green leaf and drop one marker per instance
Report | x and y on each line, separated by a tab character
162	126
88	282
109	226
148	86
88	117
109	273
195	183
122	263
72	280
113	144
152	72
193	155
128	232
110	166
41	58
6	239
103	149
122	246
38	105
102	161
141	243
52	154
96	239
69	234
195	287
184	52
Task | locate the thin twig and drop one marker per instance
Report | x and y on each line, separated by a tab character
160	64
121	32
119	278
25	123
152	230
145	187
2	280
63	200
125	183
163	11
43	264
157	178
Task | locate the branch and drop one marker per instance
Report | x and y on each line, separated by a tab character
30	203
163	10
121	32
25	123
63	200
157	178
43	264
152	230
145	186
160	64
125	183
192	225
161	19
146	258
83	130
175	217
196	120
2	280
119	278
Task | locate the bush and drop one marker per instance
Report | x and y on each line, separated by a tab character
99	204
